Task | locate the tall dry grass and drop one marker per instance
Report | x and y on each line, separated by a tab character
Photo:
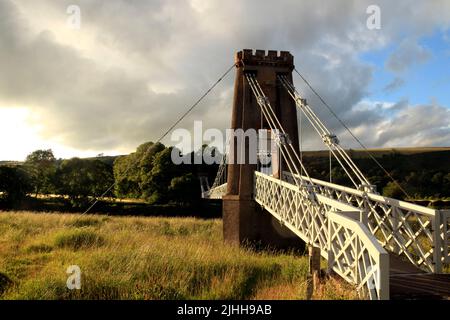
143	258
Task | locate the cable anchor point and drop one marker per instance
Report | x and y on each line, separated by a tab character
301	101
330	139
282	138
263	100
367	188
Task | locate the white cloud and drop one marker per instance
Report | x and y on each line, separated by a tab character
403	125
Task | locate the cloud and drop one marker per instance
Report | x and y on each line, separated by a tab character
409	53
408	126
402	124
394	85
134	66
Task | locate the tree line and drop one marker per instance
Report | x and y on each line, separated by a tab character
148	174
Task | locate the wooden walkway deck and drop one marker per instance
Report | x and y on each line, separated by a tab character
409	282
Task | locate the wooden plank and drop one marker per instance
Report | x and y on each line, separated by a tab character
410	282
398	265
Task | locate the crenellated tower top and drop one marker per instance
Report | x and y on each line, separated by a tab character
273	58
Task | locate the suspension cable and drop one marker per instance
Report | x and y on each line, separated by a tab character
329	140
150	148
221	172
321	129
301	139
321	134
317	125
334	144
279	125
269	119
274	124
257	91
329	156
351	133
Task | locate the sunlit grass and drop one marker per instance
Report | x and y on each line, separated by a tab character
143	258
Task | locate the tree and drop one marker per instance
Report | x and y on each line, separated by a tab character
437	179
150	174
126	177
392	190
41	166
14	184
184	189
339	176
155	184
446	183
132	173
80	179
74	180
101	177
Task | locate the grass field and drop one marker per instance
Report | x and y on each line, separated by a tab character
143	258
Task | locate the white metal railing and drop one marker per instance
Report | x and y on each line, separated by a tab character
285	201
356	256
215	192
417	233
445	231
219	187
352	251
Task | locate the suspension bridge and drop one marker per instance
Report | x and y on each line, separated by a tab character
385	247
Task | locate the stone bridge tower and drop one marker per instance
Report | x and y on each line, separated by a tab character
243	219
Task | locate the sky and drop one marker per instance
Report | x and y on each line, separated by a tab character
133	67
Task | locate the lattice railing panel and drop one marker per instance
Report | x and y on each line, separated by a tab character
308	217
445	231
356	256
292	207
412	231
403	231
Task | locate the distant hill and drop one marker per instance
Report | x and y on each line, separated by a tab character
10	163
106	159
379	152
411	159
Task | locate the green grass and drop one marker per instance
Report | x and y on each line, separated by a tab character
143	258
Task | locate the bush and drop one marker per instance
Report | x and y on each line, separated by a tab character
78	239
5	283
39	248
85	222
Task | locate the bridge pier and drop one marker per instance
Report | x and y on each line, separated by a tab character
244	221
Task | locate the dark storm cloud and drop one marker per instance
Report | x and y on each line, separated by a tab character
182	47
80	102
